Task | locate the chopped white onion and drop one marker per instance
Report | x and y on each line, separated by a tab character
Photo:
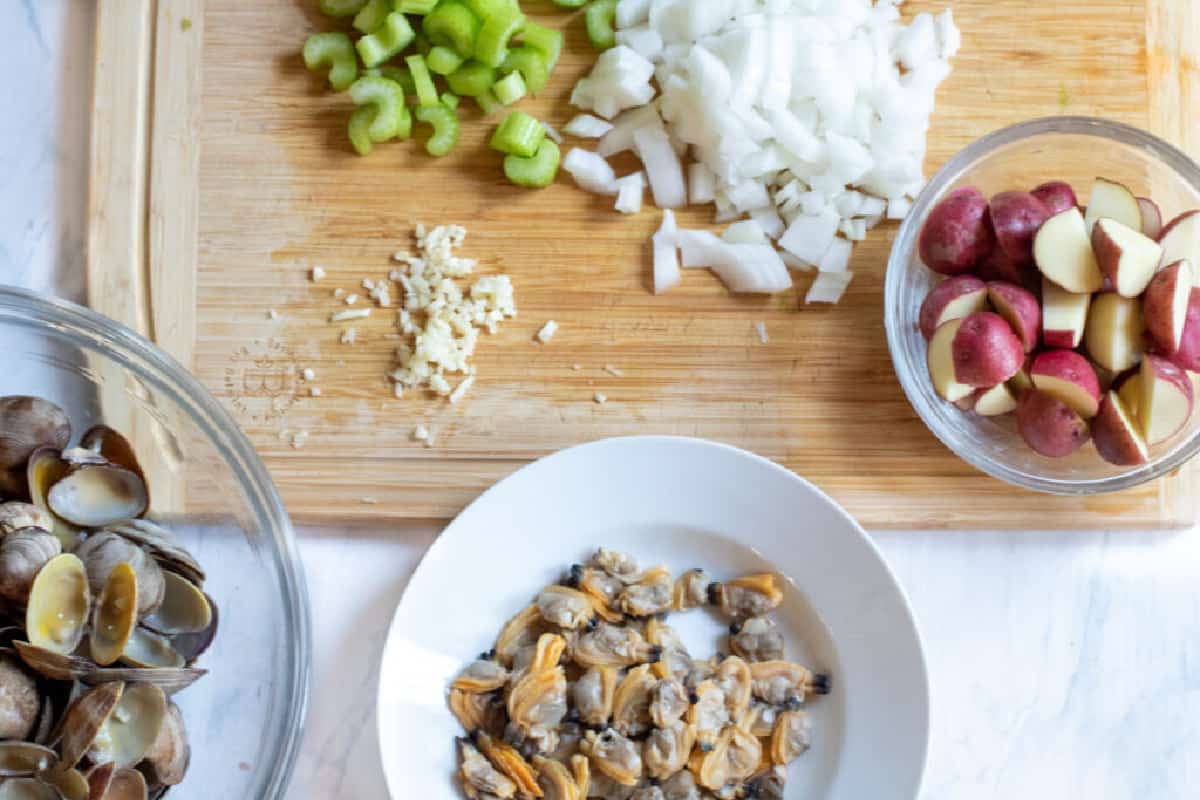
837	257
745	232
630	190
829	287
808	237
554	135
702	184
663	168
585	126
590	171
666	255
620	137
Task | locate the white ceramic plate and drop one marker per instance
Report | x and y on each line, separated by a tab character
683	503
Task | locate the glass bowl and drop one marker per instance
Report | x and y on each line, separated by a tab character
1077	150
207	484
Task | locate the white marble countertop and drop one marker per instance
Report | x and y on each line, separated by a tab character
1062	664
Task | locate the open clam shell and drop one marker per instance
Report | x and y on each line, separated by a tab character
28	789
170	680
26	424
94	495
161	544
101	552
52	664
45	468
59	602
166	761
25	758
70	783
115	615
84	718
112	447
145	648
127	734
193	645
184	607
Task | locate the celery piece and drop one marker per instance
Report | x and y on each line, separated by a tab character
536	172
360	122
450	100
443	60
510	88
393	36
600	16
341	8
427	94
391	118
453	25
372	16
518	135
491	46
398	74
445	128
569	3
546	41
333	50
421	7
485	9
471	79
531	64
488	103
422	44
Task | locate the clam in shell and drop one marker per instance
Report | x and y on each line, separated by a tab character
166	761
184	608
115	616
20	700
25	758
110	782
113	448
23	553
45	468
59	603
15	515
84	719
27	789
102	551
147	649
95	495
27	424
127	734
161	544
70	783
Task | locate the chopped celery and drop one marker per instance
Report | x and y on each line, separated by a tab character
427	94
471	79
491	46
371	18
546	41
535	172
485	9
333	50
360	121
341	8
568	3
445	128
450	100
453	25
395	35
531	64
600	16
509	89
416	6
398	74
391	118
442	60
488	103
518	135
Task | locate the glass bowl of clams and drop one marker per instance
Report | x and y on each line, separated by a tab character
154	633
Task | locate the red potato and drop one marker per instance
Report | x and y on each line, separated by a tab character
1166	399
1050	426
986	351
1063	252
1188	354
1070	377
1180	240
994	402
999	267
1112	200
1152	221
1129	386
1020	310
1115	331
958	234
1016	218
1116	435
1057	196
953	298
1064	316
1165	305
940	360
1022	382
1128	259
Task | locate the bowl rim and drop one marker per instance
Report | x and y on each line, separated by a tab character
904	246
167	375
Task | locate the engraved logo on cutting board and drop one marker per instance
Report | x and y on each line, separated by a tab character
262	381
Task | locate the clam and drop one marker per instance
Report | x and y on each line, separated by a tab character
20	700
112	448
192	645
102	551
27	424
691	590
783	682
132	727
25	758
110	782
666	749
610	646
581	771
699	671
161	544
58	605
15	515
593	695
537	701
621	566
565	607
70	783
46	467
751	596
605	788
184	608
674	661
769	785
556	781
648	793
631	702
23	553
478	773
52	664
651	594
614	755
792	736
759	719
84	718
506	759
521	630
569	736
170	680
668	702
144	648
732	761
167	759
733	677
92	495
756	639
708	714
27	789
480	677
114	616
681	786
603	588
478	712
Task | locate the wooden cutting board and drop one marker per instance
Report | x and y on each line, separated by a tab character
221	174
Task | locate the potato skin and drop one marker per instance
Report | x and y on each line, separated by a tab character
1050	426
942	295
1188	355
1157	306
1056	196
1016	217
986	351
1114	441
1021	309
958	233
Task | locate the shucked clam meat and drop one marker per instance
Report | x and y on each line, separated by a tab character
588	693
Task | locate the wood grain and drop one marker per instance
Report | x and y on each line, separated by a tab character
280	191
